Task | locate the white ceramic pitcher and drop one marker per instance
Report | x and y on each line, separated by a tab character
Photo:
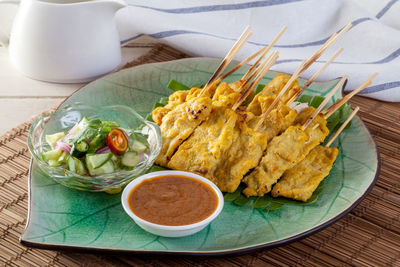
65	41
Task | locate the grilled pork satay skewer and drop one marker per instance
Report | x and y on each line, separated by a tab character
225	62
179	123
303	67
300	182
285	151
314	77
326	100
331	109
222	148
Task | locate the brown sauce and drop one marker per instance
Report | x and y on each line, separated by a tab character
173	200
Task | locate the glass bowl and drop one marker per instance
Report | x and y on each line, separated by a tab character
65	118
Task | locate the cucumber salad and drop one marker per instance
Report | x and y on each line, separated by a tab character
94	147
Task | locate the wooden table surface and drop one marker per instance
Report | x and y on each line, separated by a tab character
21	97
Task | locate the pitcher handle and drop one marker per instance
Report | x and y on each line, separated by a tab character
4	38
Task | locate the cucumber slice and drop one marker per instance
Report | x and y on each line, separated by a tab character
107	167
70	165
54	163
130	159
52	139
54	155
138	146
75	165
80	167
94	161
63	157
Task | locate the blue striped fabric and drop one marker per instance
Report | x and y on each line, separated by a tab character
206	28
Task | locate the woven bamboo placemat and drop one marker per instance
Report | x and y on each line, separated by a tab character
369	235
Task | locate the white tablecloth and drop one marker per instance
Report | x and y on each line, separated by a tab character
209	28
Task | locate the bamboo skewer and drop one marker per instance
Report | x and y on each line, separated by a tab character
266	49
326	45
331	109
228	58
264	68
314	77
315	127
342	127
241	64
303	67
327	98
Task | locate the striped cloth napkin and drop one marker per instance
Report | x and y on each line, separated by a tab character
209	28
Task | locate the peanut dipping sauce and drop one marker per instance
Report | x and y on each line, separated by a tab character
173	200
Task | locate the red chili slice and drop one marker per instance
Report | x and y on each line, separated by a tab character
117	142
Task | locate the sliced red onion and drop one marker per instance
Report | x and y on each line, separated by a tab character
104	149
126	136
88	140
63	146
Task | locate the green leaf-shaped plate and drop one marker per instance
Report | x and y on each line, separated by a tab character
60	217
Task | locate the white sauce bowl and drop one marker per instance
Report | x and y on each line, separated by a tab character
167	230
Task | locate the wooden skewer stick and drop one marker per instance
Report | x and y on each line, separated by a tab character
241	64
327	98
303	67
244	84
314	77
295	75
228	58
325	46
342	127
315	126
266	49
265	66
245	76
335	106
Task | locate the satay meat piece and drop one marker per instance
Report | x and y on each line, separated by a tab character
179	123
277	121
272	89
177	98
244	154
284	152
205	148
222	149
300	182
174	100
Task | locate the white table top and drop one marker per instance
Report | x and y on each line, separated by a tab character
21	98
